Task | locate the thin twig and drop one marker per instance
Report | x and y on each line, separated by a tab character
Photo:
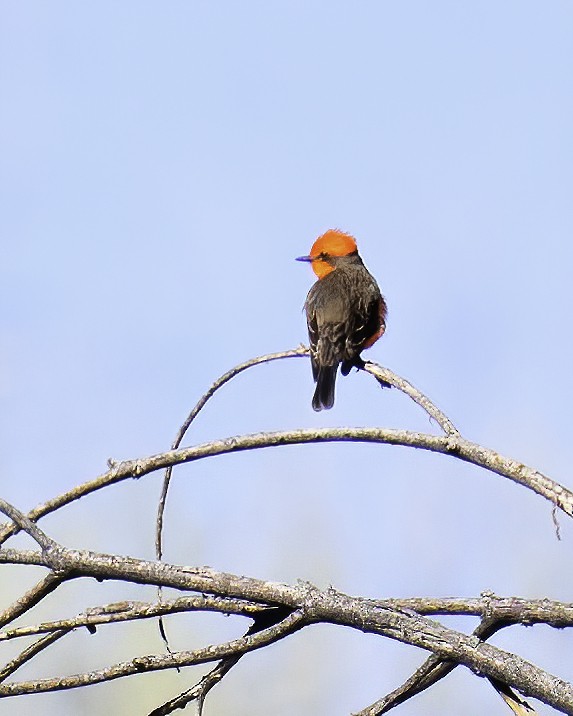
32	597
225	378
379	372
387	376
141	664
30	652
130	611
263	620
302	351
199	691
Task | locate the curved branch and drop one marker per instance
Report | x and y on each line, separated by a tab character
385	375
452	444
312	606
396	619
302	351
447	445
299	352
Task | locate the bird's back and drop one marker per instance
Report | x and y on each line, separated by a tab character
342	311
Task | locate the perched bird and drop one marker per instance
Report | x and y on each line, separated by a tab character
345	311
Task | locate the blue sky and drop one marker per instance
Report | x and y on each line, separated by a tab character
162	165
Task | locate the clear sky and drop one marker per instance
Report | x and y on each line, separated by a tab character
162	164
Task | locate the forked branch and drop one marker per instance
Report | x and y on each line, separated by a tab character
278	610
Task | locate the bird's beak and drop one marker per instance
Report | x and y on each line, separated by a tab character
304	258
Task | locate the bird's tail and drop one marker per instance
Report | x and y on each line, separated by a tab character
324	393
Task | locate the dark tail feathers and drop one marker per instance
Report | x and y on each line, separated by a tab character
325	381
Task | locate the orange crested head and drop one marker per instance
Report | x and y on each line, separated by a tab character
333	243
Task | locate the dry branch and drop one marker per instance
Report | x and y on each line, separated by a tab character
311	605
277	610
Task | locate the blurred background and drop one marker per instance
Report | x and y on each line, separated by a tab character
162	166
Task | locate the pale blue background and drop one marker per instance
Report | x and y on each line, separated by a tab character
161	166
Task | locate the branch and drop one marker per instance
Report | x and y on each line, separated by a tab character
30	652
141	664
451	444
397	619
432	670
263	620
130	611
315	606
32	597
219	383
225	378
385	375
24	523
505	611
447	445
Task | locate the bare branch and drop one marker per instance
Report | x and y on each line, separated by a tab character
432	670
447	445
384	375
263	620
451	444
141	664
199	691
25	524
30	652
330	606
491	607
496	612
32	597
302	351
387	376
130	611
278	609
504	611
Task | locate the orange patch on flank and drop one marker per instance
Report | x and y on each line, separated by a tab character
380	332
372	340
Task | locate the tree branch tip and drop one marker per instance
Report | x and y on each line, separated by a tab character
555	518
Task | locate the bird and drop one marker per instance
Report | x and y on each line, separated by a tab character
345	312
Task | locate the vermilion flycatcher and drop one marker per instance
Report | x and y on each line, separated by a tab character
345	311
